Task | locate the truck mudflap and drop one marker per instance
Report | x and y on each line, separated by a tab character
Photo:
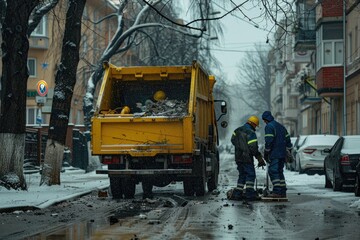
145	171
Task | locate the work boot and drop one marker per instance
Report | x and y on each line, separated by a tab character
234	194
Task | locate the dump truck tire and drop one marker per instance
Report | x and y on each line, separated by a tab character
189	187
116	187
214	177
147	189
129	188
200	186
200	180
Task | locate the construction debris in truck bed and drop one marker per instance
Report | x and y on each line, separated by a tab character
171	108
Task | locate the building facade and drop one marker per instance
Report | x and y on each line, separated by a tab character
326	63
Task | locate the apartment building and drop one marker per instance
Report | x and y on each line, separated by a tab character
284	92
326	63
44	56
309	118
352	68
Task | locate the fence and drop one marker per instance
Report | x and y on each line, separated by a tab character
35	145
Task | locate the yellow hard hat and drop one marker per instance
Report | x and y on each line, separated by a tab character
254	120
125	110
159	95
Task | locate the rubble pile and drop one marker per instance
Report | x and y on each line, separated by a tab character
169	108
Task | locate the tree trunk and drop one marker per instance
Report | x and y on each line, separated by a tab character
15	46
64	85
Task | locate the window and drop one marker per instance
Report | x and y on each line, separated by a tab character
304	119
31	62
306	16
293	102
329	45
350	49
31	114
40	30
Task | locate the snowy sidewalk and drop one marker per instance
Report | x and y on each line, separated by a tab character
74	183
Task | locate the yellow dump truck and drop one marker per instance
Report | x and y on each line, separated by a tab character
156	125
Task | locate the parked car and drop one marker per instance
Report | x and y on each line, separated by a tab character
299	140
357	180
311	155
341	161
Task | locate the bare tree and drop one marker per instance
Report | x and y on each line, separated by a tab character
16	27
40	10
254	80
64	85
15	46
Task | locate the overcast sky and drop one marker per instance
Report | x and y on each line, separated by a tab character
239	36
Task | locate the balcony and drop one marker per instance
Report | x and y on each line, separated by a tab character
330	81
291	114
305	33
39	42
309	99
305	40
308	92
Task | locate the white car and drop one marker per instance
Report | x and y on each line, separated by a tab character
311	155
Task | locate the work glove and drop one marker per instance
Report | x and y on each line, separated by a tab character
289	156
267	156
289	150
261	162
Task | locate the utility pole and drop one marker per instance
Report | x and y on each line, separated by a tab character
344	68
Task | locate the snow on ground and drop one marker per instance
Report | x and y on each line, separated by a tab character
304	184
75	182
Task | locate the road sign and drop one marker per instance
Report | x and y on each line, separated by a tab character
42	88
38	119
40	100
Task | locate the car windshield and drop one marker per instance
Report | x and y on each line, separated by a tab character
351	143
321	140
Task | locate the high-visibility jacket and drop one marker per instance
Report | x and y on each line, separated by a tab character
246	145
277	139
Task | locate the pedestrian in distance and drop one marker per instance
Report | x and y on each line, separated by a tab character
277	143
246	148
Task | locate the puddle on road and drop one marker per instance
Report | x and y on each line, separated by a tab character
100	227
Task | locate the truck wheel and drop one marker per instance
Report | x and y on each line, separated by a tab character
188	187
200	186
129	188
147	189
116	187
200	180
214	178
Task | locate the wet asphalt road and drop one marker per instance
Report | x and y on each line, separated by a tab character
308	215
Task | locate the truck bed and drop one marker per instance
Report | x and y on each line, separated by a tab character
145	136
